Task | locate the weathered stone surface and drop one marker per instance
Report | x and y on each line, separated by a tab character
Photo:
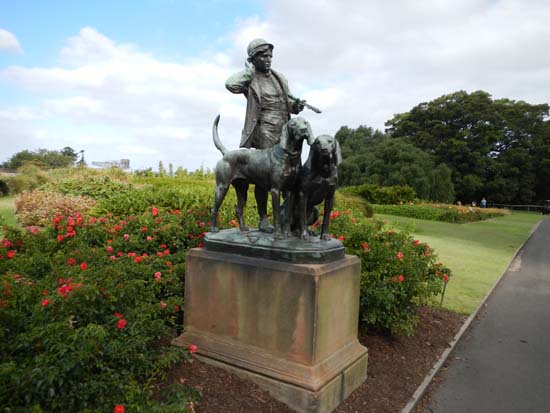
292	328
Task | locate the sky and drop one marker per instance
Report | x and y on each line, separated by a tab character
144	80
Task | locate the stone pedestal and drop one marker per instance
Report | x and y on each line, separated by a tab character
291	328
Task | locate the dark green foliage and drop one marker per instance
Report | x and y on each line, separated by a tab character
51	159
372	158
495	148
4	189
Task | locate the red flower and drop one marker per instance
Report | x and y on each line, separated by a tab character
126	237
445	278
192	348
45	302
10	254
112	258
119	408
341	238
163	246
60	238
399	255
166	252
149	238
158	276
154	211
84	266
65	290
71	261
45	292
110	249
163	305
191	236
365	247
121	324
400	278
416	242
159	254
138	259
200	245
119	315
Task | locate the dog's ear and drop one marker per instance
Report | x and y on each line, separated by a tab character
338	152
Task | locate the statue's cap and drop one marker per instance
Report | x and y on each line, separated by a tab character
258	45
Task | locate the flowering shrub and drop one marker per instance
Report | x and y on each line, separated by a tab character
38	207
441	212
398	273
87	308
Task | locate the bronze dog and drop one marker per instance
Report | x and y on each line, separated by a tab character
275	169
318	181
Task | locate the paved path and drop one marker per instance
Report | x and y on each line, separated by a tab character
502	363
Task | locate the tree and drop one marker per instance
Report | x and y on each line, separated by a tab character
52	159
491	146
372	158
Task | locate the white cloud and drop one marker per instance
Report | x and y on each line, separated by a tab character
360	62
8	42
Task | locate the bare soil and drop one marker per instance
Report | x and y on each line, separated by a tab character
396	368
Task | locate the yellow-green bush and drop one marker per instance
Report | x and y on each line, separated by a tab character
39	207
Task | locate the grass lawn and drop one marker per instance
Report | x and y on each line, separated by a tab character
477	252
6	210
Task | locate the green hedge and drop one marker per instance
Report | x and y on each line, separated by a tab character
382	194
441	212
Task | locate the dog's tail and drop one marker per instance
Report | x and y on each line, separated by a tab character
217	141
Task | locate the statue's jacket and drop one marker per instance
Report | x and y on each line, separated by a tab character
245	82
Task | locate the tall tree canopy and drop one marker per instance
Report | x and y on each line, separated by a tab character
50	159
371	157
495	148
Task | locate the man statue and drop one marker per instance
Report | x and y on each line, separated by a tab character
268	109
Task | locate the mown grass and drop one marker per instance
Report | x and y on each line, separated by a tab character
7	210
477	253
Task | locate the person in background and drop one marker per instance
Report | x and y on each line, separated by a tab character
483	203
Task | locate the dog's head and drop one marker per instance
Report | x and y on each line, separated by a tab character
297	130
326	150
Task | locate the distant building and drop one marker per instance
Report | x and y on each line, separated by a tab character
122	164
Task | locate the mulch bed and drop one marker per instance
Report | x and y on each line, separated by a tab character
396	368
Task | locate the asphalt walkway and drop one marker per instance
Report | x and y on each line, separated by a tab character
502	362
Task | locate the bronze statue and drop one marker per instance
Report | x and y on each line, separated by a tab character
269	106
276	169
317	183
270	158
